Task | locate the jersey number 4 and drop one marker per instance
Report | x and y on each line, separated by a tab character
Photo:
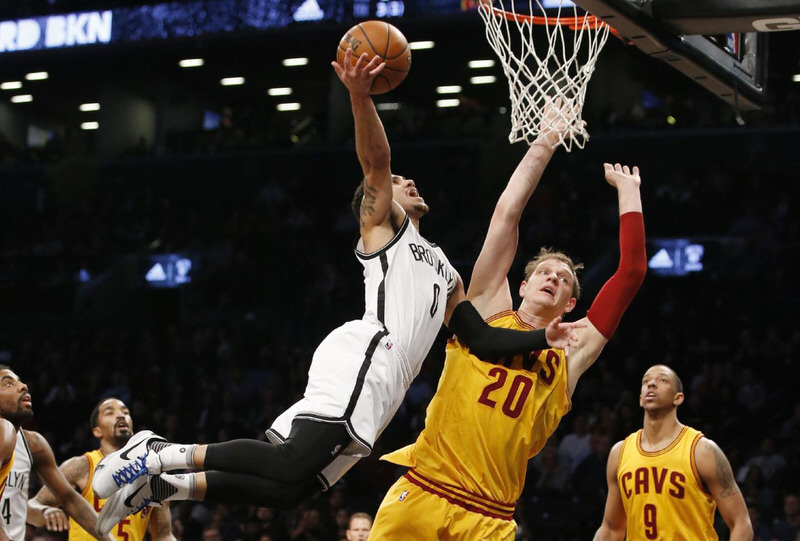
518	392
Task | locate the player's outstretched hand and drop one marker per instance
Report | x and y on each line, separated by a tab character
557	122
55	520
621	175
562	335
358	76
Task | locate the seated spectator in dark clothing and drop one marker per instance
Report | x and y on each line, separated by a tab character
787	527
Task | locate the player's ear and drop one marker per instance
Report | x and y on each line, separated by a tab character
522	288
570	305
97	433
678	400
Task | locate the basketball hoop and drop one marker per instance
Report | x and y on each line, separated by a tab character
545	73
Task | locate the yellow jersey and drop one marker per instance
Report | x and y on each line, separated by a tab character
662	493
4	471
131	528
485	422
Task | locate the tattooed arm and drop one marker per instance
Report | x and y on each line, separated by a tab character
44	464
717	475
43	508
372	147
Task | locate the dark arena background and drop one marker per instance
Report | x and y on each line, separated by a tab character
185	244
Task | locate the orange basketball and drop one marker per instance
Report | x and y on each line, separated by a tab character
382	39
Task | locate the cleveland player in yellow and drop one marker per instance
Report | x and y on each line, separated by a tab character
666	480
490	416
112	425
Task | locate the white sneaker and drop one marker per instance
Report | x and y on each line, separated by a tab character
128	501
126	465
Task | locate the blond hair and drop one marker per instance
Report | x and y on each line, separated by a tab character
549	253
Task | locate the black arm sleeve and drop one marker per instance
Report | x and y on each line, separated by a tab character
491	343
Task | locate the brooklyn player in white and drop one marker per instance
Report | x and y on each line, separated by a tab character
13	504
359	373
33	453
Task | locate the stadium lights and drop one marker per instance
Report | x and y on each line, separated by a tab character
90	125
288	106
86	107
448	89
477	64
420	45
292	62
231	81
796	78
22	98
279	91
191	62
387	106
448	103
483	80
11	85
37	76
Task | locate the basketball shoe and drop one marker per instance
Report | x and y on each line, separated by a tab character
125	466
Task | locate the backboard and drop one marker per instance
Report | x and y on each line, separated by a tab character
721	44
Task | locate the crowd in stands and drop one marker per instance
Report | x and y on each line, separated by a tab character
271	237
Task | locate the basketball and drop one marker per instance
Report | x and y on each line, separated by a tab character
382	39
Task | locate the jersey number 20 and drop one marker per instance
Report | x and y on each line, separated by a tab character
518	391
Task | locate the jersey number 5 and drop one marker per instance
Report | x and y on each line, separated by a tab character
518	391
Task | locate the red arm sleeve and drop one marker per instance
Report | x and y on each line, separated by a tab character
618	292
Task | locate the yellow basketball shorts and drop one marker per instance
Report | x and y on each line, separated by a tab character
410	513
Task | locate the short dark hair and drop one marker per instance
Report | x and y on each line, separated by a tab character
95	415
4	367
678	382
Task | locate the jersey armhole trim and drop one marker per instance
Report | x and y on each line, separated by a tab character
388	245
693	463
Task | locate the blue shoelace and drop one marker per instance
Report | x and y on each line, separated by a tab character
131	472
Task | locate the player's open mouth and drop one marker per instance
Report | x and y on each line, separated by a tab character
650	395
413	192
26	399
122	425
548	290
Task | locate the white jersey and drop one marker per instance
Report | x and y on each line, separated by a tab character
407	284
362	370
14	505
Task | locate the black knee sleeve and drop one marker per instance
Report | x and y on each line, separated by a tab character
310	446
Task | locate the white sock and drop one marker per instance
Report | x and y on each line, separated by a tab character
174	456
167	487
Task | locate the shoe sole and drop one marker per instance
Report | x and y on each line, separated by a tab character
109	515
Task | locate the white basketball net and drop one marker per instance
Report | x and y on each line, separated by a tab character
557	72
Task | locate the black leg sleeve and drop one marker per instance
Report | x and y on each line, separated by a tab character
310	446
237	488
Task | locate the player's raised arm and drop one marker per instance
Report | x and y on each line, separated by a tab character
618	292
488	288
372	145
